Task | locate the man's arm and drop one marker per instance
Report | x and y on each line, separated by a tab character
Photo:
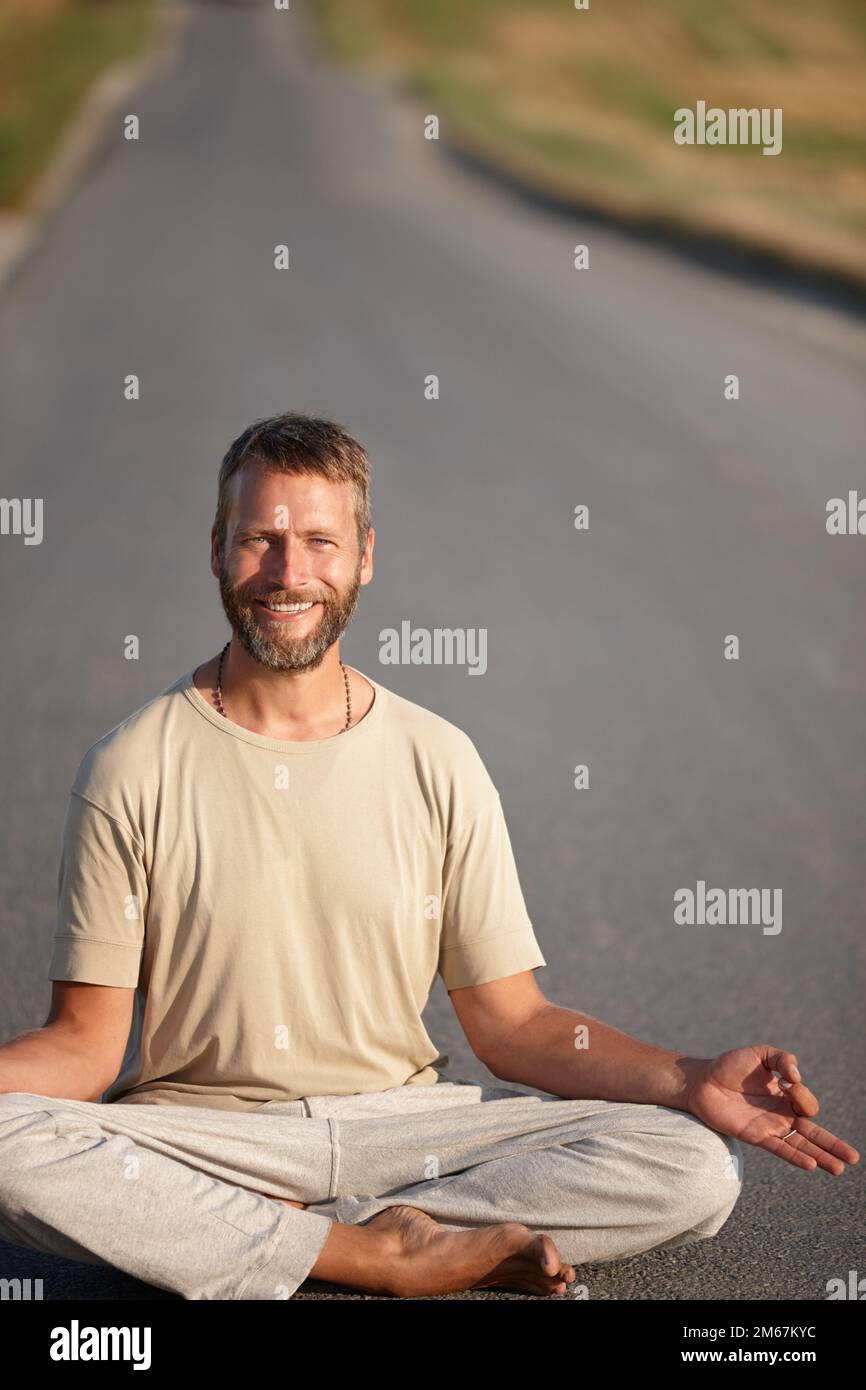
516	1032
522	1037
78	1051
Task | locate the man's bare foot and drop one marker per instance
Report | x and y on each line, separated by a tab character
432	1259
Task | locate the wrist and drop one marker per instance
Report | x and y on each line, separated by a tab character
690	1072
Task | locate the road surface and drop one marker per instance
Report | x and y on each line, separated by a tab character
605	646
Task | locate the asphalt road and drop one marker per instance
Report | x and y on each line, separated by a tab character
605	647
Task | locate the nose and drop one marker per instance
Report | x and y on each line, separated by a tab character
288	564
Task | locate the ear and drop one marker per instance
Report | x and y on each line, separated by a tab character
367	559
214	553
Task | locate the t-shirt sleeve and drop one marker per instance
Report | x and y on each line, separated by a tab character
486	930
102	895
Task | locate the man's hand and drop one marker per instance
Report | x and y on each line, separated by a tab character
737	1093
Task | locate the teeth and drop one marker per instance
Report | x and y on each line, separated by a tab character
288	607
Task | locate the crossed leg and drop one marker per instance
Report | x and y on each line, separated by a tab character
622	1180
169	1193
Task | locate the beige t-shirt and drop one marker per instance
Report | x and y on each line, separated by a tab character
283	907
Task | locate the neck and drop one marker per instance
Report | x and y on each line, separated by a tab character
293	705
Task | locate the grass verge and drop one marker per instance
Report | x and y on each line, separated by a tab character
50	53
581	105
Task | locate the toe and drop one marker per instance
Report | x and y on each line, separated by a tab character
551	1260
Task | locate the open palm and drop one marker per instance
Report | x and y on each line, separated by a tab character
737	1093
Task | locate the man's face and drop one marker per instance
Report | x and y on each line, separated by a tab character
290	539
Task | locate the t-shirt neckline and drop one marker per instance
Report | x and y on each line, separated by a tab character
293	747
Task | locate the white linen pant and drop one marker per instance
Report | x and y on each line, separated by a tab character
165	1192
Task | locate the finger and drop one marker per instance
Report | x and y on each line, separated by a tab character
783	1148
829	1143
822	1158
804	1101
783	1062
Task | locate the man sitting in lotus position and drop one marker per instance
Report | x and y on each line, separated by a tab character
263	869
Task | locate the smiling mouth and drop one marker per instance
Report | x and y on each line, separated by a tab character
285	610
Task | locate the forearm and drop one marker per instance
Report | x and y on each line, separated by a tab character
52	1061
576	1056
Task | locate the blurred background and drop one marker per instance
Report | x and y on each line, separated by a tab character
601	387
576	104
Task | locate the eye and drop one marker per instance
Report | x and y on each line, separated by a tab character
317	540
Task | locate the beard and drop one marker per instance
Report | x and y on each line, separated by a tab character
271	643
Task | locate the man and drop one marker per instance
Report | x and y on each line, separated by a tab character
263	869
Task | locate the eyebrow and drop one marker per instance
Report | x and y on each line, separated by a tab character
253	530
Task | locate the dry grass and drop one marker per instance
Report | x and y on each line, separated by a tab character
581	103
50	53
